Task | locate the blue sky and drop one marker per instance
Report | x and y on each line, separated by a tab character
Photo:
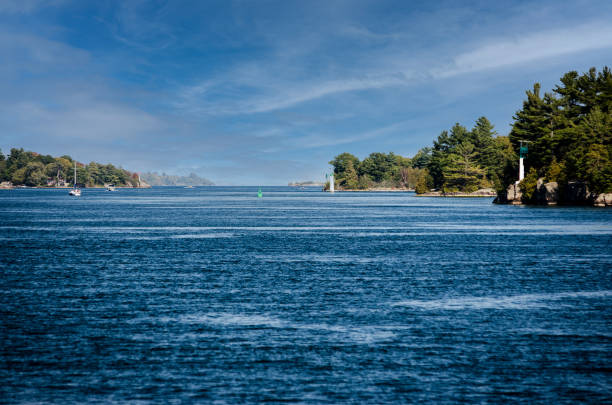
267	92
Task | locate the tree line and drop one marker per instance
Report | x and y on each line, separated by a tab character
377	170
459	160
35	170
567	133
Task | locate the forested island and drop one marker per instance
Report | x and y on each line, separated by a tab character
460	161
25	168
164	179
566	135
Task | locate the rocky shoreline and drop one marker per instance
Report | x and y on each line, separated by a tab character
375	190
483	192
574	193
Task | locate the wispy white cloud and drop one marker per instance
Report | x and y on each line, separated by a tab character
277	95
323	140
261	88
236	89
141	25
26	52
531	47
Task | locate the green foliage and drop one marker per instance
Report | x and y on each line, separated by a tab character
528	185
555	171
461	172
350	179
342	161
34	174
465	161
35	170
3	172
504	172
422	158
598	168
423	184
376	170
378	166
364	182
18	176
570	131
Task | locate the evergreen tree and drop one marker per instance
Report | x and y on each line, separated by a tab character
532	124
570	130
490	155
350	180
438	160
462	173
342	161
422	158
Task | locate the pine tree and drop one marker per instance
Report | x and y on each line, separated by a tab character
350	180
462	173
532	124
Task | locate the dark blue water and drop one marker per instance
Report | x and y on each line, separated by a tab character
211	294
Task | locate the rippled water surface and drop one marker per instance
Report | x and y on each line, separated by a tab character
211	294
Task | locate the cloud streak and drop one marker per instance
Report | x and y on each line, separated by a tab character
260	91
529	48
234	89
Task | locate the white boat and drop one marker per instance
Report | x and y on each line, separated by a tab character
111	187
75	190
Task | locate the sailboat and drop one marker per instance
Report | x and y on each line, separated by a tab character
75	191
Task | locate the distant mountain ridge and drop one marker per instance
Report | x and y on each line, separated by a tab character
156	179
306	183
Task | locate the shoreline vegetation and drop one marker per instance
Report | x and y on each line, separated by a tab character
567	159
32	170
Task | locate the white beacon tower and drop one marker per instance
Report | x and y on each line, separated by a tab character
522	154
330	177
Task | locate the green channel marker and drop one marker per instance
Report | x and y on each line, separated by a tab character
259	193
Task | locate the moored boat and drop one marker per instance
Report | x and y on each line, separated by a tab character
75	190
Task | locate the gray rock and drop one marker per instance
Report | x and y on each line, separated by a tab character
512	195
603	200
547	193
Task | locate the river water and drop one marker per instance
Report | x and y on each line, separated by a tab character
211	294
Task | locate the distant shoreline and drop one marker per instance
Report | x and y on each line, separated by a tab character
487	193
376	190
64	188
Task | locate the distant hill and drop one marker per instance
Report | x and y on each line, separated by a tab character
164	179
306	183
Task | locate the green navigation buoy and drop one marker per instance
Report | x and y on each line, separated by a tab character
259	193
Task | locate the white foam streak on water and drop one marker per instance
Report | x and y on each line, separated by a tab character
321	258
417	228
183	236
526	301
361	335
